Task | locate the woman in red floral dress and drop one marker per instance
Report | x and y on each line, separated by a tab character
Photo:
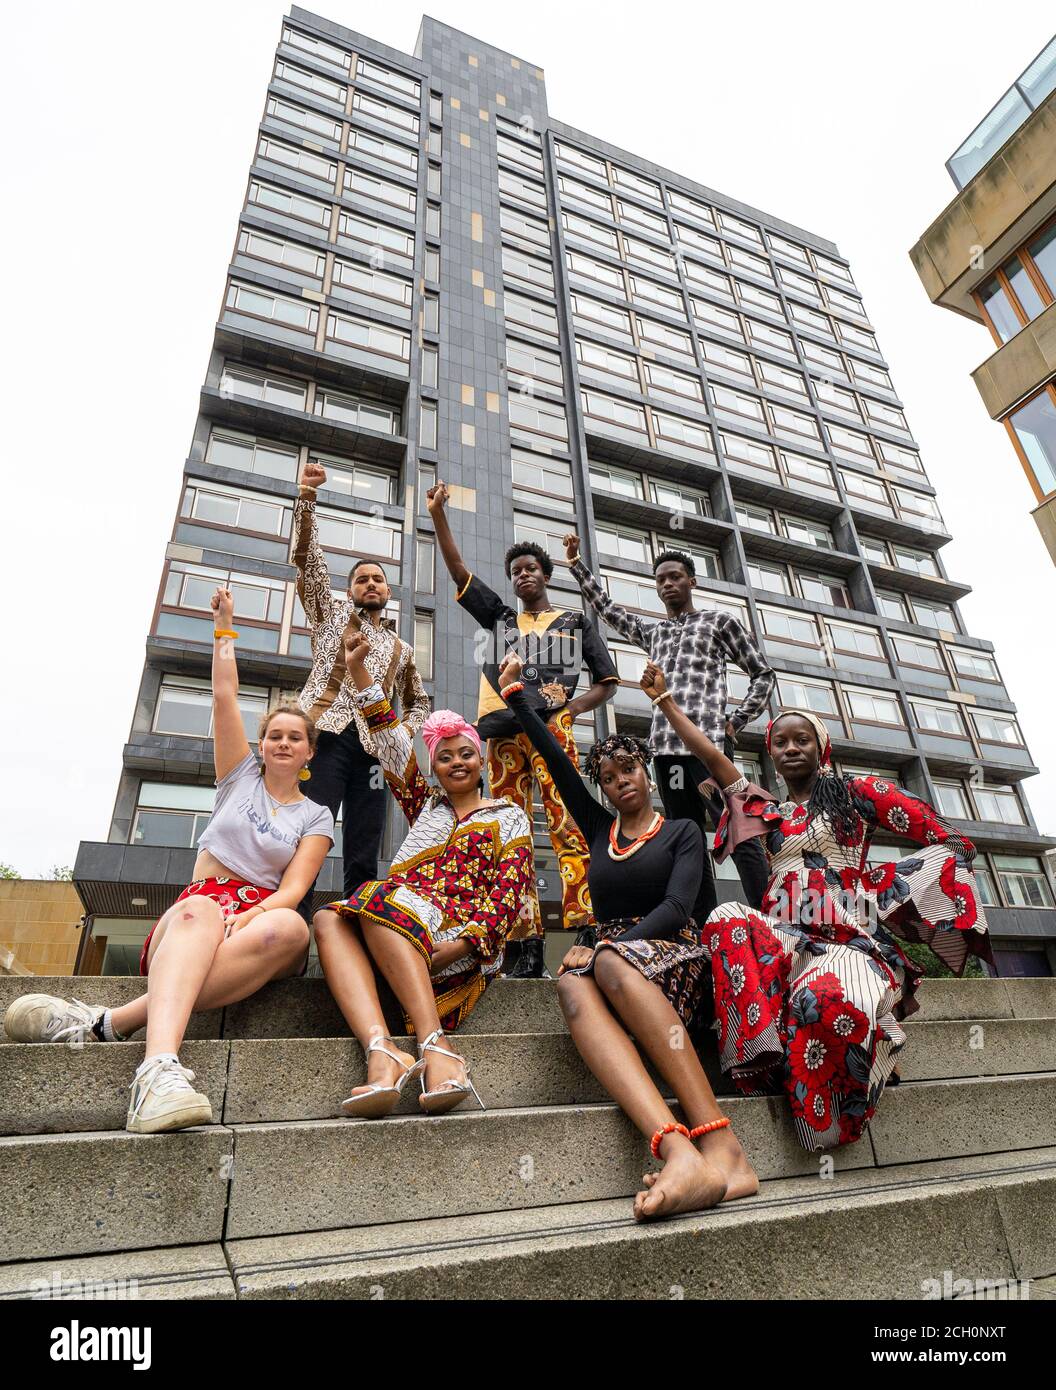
811	990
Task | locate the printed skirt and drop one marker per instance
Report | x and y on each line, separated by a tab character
410	914
679	966
230	894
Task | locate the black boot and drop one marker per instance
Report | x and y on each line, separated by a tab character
530	963
511	956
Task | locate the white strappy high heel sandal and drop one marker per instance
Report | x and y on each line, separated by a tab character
449	1093
376	1101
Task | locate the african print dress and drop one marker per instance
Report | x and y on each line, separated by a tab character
451	877
809	992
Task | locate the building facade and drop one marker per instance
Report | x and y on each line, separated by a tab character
991	255
431	277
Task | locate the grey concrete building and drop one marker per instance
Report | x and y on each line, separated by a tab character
431	277
991	256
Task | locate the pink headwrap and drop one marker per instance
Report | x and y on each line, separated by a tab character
824	740
445	723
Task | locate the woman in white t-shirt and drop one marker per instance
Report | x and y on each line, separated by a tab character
234	927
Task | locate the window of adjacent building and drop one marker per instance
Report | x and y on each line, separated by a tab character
236	380
530	313
169	815
228	449
374	337
433	180
587	266
771	579
738	227
525	190
360	229
1023	880
867	489
662	335
632	592
639	217
754	265
193	586
807	470
677	498
683	203
526	362
433	220
549	535
857	641
280	200
790	422
423	645
593	311
353	410
355	535
1033	429
619	366
936	718
316	47
892	605
823	588
914	651
312	121
998	804
648	291
536	477
746	451
356	479
785	625
645	188
540	417
616	412
589	231
644	253
952	800
616	481
874	550
386	77
935	615
516	266
568	154
185	706
278	251
665	381
979	666
672	428
380	190
995	727
432	263
311	82
392	293
425	566
427	425
914	561
574	190
431	312
817	696
783	247
874	707
275	308
430	359
225	506
385	112
387	150
293	157
627	544
810	532
735	403
755	518
518	153
762	299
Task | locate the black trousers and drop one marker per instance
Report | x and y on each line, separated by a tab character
677	777
345	775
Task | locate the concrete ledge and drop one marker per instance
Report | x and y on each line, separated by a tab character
94	1193
193	1272
945	1119
914	1223
52	1089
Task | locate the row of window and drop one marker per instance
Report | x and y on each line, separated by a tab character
327	329
1022	287
354	229
372	77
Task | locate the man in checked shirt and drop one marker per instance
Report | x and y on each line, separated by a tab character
691	646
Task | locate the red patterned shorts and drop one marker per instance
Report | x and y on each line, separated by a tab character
231	894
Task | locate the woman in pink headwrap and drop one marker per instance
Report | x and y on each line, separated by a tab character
810	991
436	927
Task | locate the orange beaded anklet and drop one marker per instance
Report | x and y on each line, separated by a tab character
658	1137
696	1132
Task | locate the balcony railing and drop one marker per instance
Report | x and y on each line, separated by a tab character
1016	106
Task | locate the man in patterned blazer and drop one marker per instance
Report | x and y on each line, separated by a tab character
691	646
344	769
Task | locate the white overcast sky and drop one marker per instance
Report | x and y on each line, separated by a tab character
129	131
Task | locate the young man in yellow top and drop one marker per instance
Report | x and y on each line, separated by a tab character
555	644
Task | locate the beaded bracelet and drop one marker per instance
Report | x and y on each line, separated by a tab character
514	688
658	1137
707	1129
219	632
665	696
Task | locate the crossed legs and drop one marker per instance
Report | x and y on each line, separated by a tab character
603	1010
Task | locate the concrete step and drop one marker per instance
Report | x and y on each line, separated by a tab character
137	1191
305	1008
56	1089
864	1234
191	1272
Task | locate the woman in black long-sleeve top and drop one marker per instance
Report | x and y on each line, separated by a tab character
644	977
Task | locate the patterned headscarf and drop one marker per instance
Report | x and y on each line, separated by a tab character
824	741
445	723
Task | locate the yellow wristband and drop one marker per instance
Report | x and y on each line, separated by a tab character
219	632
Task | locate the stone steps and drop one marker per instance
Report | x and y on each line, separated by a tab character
58	1089
864	1233
256	1180
304	1008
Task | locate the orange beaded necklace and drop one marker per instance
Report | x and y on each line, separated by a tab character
614	831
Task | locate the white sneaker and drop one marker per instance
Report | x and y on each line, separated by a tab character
164	1099
42	1018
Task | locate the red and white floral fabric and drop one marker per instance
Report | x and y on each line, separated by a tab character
809	991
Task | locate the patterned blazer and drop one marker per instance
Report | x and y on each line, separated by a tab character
390	661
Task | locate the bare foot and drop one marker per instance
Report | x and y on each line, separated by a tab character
383	1070
723	1151
687	1182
